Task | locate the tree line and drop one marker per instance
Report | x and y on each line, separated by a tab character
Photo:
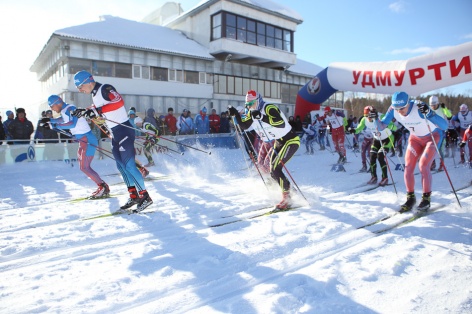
355	105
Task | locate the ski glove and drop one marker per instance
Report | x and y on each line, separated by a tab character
90	113
373	114
256	114
232	111
424	109
79	112
462	144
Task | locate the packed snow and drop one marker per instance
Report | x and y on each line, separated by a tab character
312	259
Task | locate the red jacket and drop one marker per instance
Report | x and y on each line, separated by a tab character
214	123
171	122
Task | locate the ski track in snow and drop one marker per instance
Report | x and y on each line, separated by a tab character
171	261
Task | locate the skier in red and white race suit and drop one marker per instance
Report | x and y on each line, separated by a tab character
424	126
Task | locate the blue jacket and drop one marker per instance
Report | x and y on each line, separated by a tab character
202	124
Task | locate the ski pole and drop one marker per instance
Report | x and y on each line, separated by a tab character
188	146
170	149
79	140
250	155
441	159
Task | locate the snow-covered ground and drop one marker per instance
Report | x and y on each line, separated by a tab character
313	259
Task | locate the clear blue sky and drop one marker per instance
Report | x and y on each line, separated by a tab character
332	31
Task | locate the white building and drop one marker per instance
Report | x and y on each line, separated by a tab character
208	56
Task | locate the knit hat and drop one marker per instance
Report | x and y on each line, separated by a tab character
327	109
399	100
463	108
83	77
131	112
20	110
204	110
54	100
250	96
9	112
433	101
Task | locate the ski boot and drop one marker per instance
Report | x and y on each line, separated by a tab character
133	198
425	203
102	191
410	202
144	171
383	182
285	203
372	180
143	202
364	168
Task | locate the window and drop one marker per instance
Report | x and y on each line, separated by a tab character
191	77
141	72
228	25
76	65
175	75
205	78
216	26
159	74
102	68
123	70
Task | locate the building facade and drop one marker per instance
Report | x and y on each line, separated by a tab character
208	56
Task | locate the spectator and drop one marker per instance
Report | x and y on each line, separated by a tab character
185	123
291	121
10	118
215	122
132	120
38	134
49	135
150	118
171	121
21	128
202	122
322	132
224	123
307	119
298	125
2	131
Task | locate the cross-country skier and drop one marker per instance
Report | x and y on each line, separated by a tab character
337	123
383	141
271	124
424	125
81	131
107	102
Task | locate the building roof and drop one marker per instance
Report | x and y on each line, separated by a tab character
265	5
118	31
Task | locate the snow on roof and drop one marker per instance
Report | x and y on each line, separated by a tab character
119	31
263	4
275	7
305	67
